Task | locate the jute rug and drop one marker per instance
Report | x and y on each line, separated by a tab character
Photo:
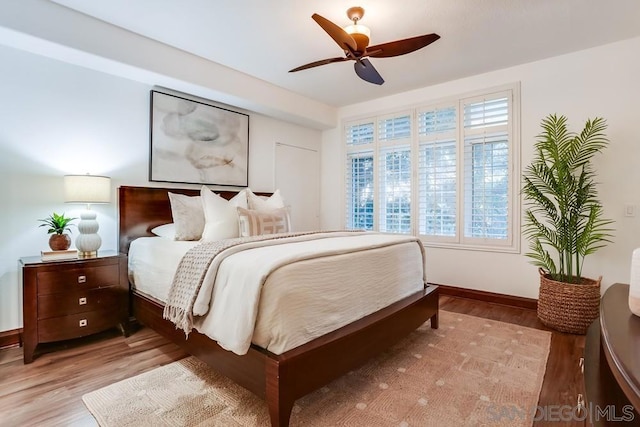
470	372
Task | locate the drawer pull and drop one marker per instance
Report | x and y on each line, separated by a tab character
580	407
83	322
82	279
82	301
581	364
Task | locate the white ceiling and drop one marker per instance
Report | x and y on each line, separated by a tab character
265	38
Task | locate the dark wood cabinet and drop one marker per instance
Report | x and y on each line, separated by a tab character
612	362
72	298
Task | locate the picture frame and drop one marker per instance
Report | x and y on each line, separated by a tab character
194	142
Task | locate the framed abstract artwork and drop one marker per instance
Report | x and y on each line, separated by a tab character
197	143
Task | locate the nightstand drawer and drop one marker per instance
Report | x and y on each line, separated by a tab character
79	301
77	278
76	325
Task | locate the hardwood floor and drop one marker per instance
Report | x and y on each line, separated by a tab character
48	391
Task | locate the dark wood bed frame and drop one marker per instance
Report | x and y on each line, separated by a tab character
279	379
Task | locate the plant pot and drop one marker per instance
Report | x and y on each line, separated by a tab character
59	242
568	307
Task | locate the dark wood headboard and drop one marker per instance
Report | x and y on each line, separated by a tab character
143	208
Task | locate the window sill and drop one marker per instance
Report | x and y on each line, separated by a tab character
481	248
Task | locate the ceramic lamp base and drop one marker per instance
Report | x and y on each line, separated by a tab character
88	242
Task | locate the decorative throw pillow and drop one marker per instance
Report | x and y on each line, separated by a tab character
187	216
168	231
259	203
221	215
257	223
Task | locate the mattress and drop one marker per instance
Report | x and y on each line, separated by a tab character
299	301
153	262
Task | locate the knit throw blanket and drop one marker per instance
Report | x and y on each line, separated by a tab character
191	273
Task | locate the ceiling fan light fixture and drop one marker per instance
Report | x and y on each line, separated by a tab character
360	33
358	29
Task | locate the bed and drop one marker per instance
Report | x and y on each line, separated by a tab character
282	378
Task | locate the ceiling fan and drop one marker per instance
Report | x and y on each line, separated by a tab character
354	40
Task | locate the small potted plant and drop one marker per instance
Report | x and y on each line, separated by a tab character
565	221
58	224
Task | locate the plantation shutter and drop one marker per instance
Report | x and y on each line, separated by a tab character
445	172
359	134
487	145
359	176
437	173
394	173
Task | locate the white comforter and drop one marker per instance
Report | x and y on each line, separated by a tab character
375	270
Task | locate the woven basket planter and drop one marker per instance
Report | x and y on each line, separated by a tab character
568	307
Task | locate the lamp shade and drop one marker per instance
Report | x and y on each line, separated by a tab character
87	189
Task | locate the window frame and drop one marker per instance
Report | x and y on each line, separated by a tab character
420	140
466	196
358	149
388	146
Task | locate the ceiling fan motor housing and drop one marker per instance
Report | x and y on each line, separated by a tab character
355	13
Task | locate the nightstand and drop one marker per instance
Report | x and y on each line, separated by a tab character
72	298
612	373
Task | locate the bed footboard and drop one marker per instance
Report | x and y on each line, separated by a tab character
281	379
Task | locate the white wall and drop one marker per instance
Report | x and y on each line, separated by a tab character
597	82
56	119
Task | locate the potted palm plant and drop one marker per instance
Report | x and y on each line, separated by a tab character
564	221
58	224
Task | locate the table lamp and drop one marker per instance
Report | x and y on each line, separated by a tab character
87	189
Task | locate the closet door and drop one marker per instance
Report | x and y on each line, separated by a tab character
297	175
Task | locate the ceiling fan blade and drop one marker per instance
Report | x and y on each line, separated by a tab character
344	40
365	70
400	47
318	63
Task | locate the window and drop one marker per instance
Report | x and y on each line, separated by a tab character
394	183
359	177
360	190
437	173
444	172
486	169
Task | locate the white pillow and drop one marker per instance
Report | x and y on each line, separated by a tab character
257	223
187	216
257	203
167	231
221	215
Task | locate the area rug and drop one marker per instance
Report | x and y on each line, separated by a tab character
470	372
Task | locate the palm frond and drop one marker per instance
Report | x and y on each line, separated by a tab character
542	258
